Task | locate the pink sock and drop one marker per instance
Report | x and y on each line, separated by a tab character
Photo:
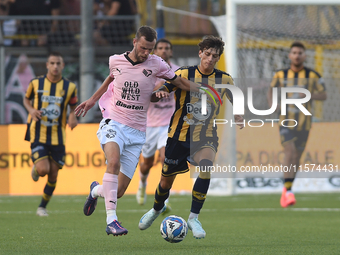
110	188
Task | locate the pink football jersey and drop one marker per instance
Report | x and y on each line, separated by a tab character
128	97
159	114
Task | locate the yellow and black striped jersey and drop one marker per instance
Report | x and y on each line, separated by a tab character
305	78
187	123
52	99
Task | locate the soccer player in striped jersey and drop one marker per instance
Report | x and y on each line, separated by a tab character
192	136
294	137
46	101
158	119
124	98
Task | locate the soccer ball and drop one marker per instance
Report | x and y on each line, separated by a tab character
174	229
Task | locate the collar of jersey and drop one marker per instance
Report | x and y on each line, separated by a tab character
203	73
130	60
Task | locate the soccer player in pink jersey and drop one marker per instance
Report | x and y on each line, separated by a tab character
158	119
124	100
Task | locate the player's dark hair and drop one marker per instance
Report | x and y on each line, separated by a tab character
211	41
163	40
149	33
298	44
54	54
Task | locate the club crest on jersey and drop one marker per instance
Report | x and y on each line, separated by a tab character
36	155
147	73
62	93
165	168
110	133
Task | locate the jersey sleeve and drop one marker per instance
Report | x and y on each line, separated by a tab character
165	71
30	91
74	97
275	81
169	86
112	66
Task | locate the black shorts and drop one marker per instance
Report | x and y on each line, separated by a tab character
55	152
298	137
178	154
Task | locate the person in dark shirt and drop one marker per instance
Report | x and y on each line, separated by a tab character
41	28
115	31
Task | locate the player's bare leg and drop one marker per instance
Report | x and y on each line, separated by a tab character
40	168
49	167
145	167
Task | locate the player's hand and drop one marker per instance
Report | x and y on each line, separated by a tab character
239	120
36	114
84	107
158	94
162	94
72	120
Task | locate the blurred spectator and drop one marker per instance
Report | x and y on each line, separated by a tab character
198	26
4	6
68	29
114	31
41	28
70	7
8	26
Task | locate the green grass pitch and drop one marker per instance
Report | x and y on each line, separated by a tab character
243	224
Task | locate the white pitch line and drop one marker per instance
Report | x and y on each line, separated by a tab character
204	210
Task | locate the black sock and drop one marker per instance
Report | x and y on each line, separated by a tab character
288	183
200	189
48	191
160	196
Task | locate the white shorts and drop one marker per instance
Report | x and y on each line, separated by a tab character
155	139
129	140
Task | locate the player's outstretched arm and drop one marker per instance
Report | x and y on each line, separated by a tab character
185	84
83	108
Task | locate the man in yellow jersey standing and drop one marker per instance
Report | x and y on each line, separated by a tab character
294	137
46	101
